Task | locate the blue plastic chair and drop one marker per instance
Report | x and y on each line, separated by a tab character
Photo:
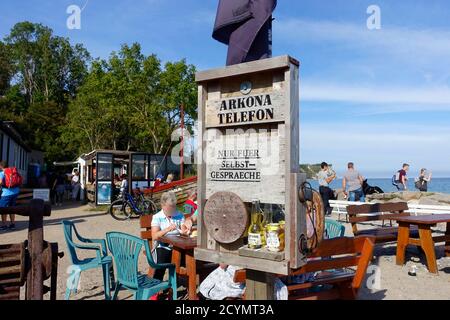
334	229
78	265
125	250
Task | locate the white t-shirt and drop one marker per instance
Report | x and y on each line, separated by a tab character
75	179
322	176
162	221
124	185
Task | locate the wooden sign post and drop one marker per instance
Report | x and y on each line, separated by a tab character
249	150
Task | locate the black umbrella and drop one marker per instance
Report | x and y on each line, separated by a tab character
246	27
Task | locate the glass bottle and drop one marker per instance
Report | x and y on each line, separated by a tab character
267	219
256	231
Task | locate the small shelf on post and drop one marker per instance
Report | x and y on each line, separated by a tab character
263	253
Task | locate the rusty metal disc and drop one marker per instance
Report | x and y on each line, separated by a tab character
225	217
315	221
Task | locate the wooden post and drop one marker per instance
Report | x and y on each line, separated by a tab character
260	286
249	149
35	287
182	144
36	212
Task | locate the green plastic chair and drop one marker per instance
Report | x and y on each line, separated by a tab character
334	229
101	260
125	250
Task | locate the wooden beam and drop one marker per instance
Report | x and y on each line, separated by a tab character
246	68
27	211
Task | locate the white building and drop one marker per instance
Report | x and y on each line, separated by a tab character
13	150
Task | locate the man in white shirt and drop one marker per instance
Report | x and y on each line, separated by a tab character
75	185
325	177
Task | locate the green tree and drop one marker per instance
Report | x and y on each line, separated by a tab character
47	72
48	67
139	102
6	68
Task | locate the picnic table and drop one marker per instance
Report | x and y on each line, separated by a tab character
184	247
425	240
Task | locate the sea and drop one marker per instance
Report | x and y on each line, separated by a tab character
440	185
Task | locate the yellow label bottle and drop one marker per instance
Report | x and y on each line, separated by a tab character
256	231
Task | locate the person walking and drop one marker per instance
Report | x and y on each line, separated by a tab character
325	177
76	185
353	181
423	180
10	182
401	178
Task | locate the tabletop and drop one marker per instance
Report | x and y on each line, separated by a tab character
182	242
426	219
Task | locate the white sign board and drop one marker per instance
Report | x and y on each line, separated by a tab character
43	194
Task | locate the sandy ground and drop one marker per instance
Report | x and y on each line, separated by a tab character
394	282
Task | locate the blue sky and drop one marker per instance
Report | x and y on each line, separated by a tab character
375	97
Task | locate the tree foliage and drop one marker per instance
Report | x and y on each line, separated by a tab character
139	101
66	103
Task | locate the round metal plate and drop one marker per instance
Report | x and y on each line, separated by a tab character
225	217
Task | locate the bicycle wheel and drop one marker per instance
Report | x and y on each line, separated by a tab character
120	210
149	207
145	208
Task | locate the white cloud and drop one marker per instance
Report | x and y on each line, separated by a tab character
315	91
408	43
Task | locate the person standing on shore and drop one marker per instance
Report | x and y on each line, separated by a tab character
401	178
325	177
423	180
353	181
10	182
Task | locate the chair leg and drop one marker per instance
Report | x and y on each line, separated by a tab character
173	284
106	281
72	287
116	290
68	292
111	277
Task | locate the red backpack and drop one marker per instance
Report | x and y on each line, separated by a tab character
13	178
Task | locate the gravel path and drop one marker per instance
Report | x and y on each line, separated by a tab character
395	283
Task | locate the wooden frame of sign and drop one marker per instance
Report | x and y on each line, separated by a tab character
249	145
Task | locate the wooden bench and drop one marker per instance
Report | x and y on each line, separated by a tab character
340	253
340	207
418	209
146	234
25	196
378	212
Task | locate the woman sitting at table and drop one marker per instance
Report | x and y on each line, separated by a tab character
169	221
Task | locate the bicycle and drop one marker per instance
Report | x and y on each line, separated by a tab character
127	206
